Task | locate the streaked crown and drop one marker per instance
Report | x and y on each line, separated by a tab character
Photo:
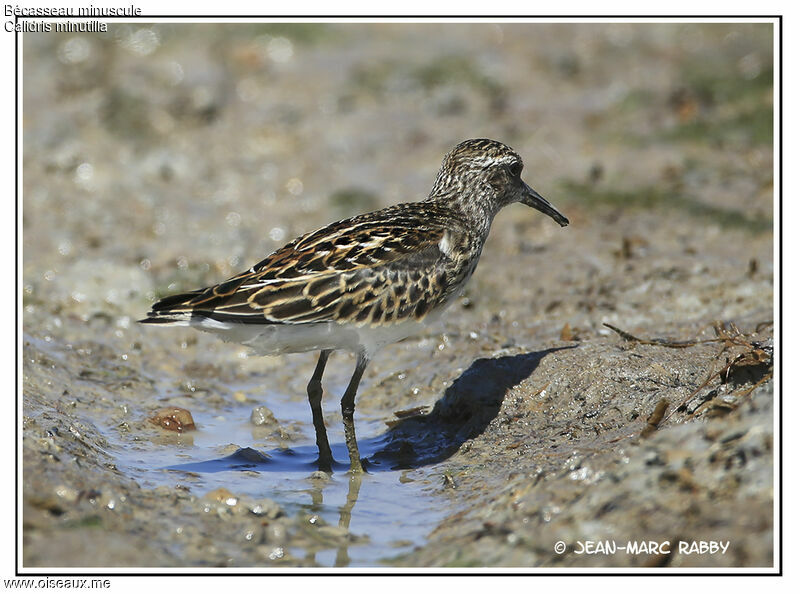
480	153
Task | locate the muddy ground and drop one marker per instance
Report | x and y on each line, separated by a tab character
160	158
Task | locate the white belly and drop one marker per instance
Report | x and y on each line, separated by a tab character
276	339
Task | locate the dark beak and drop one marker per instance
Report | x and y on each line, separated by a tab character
533	199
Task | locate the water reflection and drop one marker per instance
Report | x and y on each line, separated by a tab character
345	513
345	510
295	463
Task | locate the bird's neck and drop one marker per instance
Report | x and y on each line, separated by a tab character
475	209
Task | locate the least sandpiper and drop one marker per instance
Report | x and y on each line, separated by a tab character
367	281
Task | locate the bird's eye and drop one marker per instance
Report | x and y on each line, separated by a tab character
515	168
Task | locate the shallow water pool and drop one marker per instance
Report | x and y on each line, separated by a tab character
387	511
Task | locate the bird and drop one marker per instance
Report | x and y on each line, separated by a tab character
364	282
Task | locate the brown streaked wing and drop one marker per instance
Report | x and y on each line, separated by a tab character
389	293
347	271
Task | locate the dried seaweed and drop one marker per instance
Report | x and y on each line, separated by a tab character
752	358
655	418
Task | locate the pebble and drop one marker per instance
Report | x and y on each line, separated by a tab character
261	415
173	419
266	508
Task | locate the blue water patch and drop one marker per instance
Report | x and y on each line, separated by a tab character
388	510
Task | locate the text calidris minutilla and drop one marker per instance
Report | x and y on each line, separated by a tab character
367	281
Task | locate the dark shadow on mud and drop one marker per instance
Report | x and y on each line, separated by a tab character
468	406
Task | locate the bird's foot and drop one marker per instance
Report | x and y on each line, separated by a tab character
360	466
325	464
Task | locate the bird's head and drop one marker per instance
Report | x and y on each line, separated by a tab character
485	175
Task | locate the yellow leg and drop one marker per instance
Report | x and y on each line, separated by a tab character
348	408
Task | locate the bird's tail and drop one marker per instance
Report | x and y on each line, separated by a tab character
174	310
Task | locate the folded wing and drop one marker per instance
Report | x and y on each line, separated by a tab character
380	267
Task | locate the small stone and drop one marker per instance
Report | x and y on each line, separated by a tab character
222	495
67	493
319	475
266	508
261	415
173	419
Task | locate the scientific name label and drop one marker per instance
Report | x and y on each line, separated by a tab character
25	23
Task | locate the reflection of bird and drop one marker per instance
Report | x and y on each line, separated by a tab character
367	281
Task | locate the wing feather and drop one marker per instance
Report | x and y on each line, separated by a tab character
381	267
